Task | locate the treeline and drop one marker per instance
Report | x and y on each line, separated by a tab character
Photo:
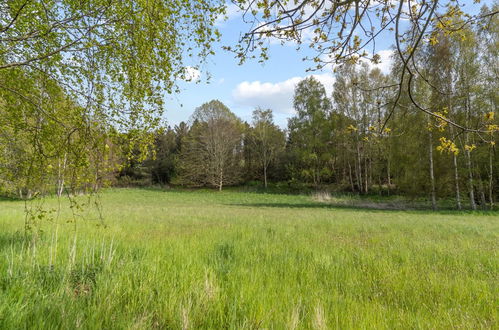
433	135
364	138
215	150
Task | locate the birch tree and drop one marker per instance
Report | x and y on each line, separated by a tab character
267	140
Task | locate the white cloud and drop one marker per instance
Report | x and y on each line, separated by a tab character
279	96
276	96
386	61
327	80
191	74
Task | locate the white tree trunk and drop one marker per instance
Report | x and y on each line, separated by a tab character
456	179
432	174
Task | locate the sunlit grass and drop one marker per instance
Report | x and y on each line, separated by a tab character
243	260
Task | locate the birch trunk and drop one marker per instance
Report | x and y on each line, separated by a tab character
470	179
491	178
432	175
456	179
359	169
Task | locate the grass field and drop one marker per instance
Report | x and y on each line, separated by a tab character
244	260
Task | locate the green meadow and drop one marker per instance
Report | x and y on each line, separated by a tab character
210	260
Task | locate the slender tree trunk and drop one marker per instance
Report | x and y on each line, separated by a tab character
491	178
366	174
378	168
432	174
456	173
343	175
350	176
265	176
482	193
470	179
456	179
265	163
366	179
380	181
359	169
388	174
220	180
468	156
60	176
371	182
316	175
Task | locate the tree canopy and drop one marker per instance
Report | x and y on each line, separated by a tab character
348	31
115	58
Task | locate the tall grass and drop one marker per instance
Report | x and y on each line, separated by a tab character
241	260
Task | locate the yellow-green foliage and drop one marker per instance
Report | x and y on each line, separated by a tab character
245	260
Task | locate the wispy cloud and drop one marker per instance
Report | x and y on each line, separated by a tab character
231	12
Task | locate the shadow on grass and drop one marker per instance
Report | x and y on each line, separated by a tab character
14	240
364	204
368	208
10	199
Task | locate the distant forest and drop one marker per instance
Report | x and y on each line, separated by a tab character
356	139
371	136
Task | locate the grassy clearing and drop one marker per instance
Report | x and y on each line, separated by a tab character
243	260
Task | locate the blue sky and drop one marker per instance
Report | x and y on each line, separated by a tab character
244	87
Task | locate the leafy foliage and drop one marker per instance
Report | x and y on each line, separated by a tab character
212	149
